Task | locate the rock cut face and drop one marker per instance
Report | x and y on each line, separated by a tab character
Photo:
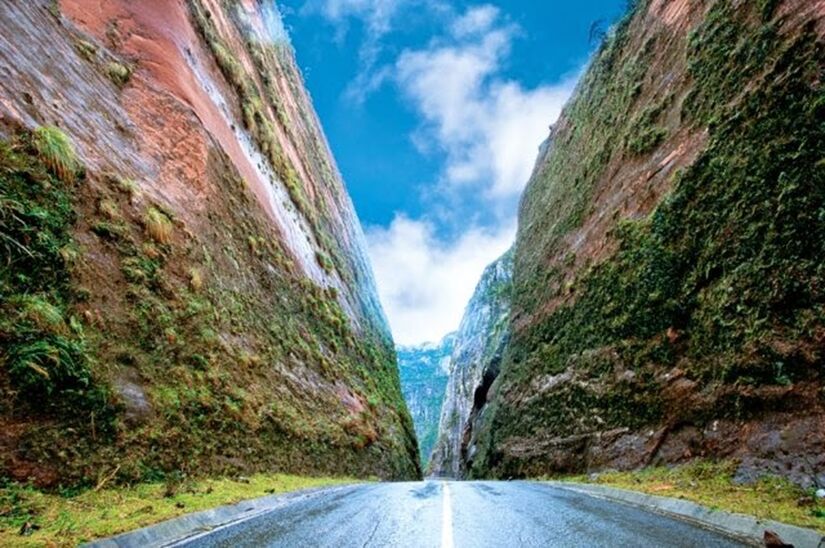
667	287
474	366
215	281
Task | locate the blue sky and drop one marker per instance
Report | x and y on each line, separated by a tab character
434	111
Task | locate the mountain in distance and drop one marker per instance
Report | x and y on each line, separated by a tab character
424	371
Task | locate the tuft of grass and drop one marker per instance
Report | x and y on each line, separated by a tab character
38	312
56	151
158	226
711	484
128	186
647	140
54	9
36	367
196	279
87	50
119	73
70	254
109	210
103	512
112	231
254	245
324	262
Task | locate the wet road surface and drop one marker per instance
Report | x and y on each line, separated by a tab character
458	514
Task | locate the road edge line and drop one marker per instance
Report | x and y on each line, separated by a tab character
740	526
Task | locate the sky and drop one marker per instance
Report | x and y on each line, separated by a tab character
434	111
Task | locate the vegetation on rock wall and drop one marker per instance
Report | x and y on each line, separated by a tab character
185	374
43	348
475	363
261	106
724	280
252	104
579	155
156	324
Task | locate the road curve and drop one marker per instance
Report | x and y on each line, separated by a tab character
457	514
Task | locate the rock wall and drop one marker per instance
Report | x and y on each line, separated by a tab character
424	372
668	299
475	362
184	287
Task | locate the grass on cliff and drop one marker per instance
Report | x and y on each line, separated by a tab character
56	151
64	344
253	107
722	280
259	112
43	350
711	484
71	518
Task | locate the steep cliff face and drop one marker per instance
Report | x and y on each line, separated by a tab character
183	285
424	370
474	366
669	283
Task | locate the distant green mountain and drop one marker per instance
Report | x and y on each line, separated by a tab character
424	373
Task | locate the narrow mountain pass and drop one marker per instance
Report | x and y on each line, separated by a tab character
461	514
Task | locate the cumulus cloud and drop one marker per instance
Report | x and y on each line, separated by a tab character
490	127
425	283
475	20
378	18
376	14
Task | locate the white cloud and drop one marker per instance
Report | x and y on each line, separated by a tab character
489	127
476	20
425	283
376	14
378	18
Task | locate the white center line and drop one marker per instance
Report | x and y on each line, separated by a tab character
446	518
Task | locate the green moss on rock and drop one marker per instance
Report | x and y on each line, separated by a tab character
43	352
724	280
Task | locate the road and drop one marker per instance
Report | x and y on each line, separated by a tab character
457	514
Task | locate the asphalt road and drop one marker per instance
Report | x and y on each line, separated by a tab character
458	514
